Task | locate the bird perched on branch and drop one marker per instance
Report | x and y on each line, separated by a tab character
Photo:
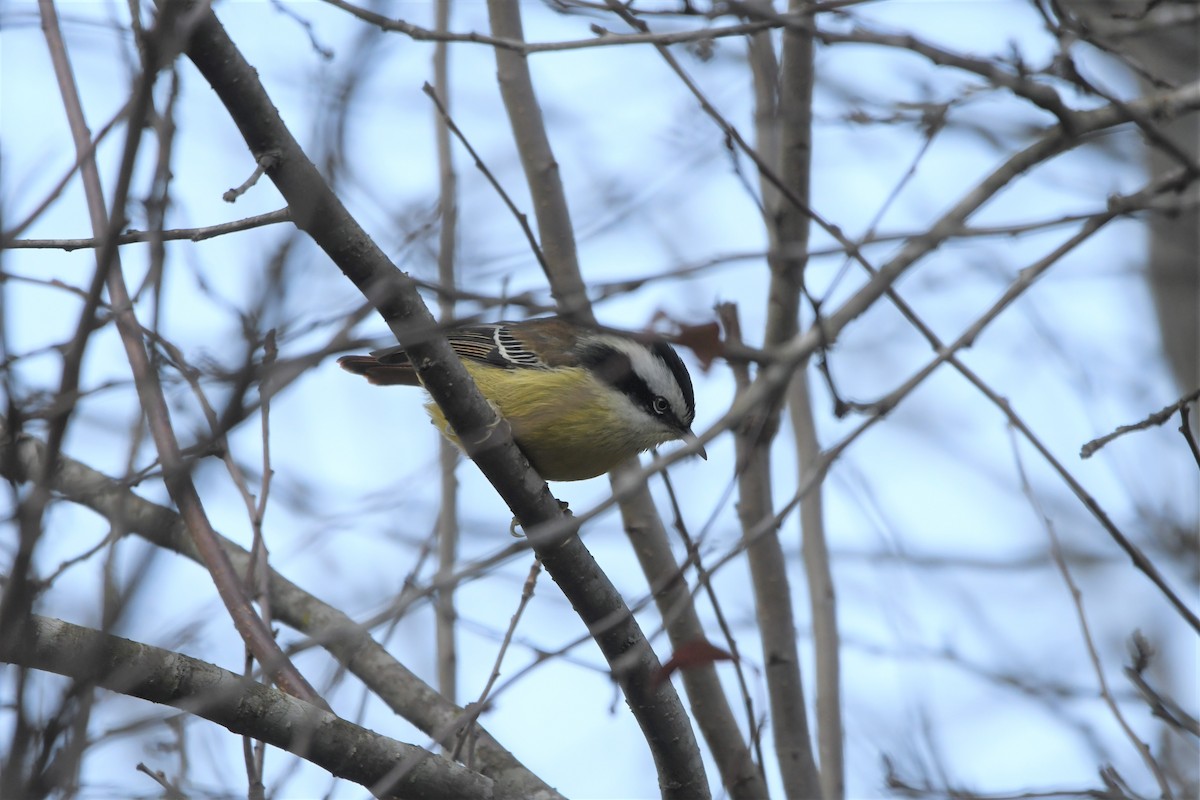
579	401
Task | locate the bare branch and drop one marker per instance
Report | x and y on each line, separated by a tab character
1156	419
242	706
1162	707
348	641
518	45
133	237
447	524
561	262
522	219
1086	631
317	211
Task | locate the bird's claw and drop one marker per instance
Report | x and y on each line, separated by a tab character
516	523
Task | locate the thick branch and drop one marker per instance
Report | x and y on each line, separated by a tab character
349	642
788	233
244	707
541	168
662	718
318	212
159	47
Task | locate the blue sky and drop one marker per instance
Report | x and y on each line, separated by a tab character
651	189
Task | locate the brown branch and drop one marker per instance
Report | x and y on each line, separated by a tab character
157	51
795	115
518	45
783	113
802	346
1158	418
16	600
447	521
1085	630
674	590
243	707
822	595
553	217
1188	434
8	239
349	642
133	237
773	609
176	476
643	526
521	218
319	213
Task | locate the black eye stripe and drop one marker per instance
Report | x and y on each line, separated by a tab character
614	367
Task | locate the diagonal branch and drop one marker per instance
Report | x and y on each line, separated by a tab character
318	212
244	707
346	640
158	47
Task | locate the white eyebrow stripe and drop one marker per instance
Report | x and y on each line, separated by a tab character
651	369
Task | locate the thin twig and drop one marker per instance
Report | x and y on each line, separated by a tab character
171	791
1157	418
8	239
1165	708
262	164
520	216
1186	429
1077	601
177	234
258	571
704	581
480	704
604	39
176	476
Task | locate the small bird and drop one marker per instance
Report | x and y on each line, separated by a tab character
579	401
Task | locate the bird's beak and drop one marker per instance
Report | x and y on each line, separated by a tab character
691	438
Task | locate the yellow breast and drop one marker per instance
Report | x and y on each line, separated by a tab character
565	421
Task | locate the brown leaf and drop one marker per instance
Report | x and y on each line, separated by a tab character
695	653
704	339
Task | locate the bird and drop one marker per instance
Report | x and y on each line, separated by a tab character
579	400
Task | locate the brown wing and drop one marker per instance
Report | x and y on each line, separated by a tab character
380	374
531	344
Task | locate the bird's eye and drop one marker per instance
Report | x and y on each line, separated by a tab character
661	405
